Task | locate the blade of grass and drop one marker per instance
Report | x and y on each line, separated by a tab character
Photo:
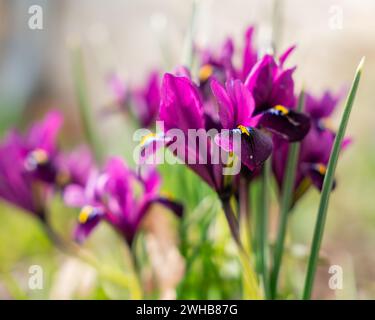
327	186
263	226
84	104
188	49
286	201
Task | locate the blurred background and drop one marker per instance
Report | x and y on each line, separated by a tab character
133	37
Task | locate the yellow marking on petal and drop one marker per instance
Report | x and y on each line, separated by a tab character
85	213
147	137
244	129
328	124
205	72
40	156
167	195
321	168
231	159
284	111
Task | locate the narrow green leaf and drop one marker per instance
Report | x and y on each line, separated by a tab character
263	226
84	104
286	201
327	186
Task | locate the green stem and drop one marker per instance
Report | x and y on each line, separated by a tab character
188	52
251	287
129	281
327	187
263	226
84	104
285	206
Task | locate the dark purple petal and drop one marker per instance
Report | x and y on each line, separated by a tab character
260	82
322	107
289	124
316	173
89	218
251	145
283	89
175	207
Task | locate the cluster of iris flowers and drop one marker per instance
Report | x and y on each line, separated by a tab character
254	102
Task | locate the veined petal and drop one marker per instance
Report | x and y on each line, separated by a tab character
291	125
260	82
249	55
181	106
283	89
226	108
251	145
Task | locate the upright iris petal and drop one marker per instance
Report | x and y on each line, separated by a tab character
272	87
181	108
236	107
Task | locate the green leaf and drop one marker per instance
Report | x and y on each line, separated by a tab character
286	201
84	104
327	186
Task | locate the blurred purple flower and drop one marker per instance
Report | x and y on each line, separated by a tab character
17	186
143	102
146	100
26	170
221	66
74	167
315	148
118	196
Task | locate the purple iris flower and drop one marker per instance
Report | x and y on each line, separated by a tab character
17	186
118	196
182	108
26	172
222	67
236	108
272	87
74	167
143	102
146	100
315	148
119	90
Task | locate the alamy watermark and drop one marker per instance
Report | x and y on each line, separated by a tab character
35	21
36	279
335	282
196	146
